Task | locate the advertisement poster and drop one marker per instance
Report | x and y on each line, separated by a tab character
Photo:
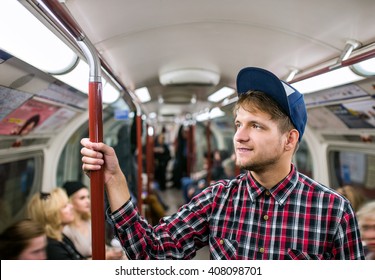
322	118
26	118
10	99
56	121
63	95
360	114
334	94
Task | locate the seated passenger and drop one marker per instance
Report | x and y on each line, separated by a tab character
79	231
229	167
23	240
54	211
195	180
366	221
217	173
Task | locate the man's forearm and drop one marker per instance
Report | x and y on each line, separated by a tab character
117	191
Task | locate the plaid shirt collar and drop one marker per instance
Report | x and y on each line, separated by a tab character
280	191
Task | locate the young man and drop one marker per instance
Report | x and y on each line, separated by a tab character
270	212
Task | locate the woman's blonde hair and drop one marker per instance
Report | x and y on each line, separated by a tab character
45	208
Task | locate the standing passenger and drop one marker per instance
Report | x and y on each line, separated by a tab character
180	161
162	156
270	212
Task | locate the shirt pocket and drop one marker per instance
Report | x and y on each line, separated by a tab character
300	255
223	249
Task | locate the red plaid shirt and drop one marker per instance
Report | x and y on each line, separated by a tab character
240	219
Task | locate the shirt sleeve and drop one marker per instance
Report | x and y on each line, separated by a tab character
348	244
175	237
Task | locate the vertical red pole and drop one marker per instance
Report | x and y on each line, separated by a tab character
192	148
209	152
150	160
96	177
189	143
61	17
139	161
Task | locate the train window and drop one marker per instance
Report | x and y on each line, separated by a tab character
18	182
69	166
303	160
354	168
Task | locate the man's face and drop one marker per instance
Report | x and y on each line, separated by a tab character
368	232
258	142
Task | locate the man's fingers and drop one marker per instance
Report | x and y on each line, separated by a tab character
86	152
92	161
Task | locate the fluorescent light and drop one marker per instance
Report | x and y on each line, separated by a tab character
143	94
203	117
330	79
150	131
110	93
221	94
189	76
25	37
78	77
364	68
214	113
152	115
193	99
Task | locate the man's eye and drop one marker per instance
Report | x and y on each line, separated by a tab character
364	228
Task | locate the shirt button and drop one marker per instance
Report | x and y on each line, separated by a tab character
221	241
265	217
261	250
268	193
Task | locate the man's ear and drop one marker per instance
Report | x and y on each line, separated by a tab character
292	139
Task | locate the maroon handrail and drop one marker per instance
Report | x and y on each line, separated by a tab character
60	16
139	160
356	58
96	177
209	152
150	160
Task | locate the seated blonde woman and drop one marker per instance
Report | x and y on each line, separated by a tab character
53	211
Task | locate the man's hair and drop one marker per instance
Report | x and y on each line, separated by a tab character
17	237
258	100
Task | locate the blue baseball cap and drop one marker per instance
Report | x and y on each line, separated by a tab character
289	99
